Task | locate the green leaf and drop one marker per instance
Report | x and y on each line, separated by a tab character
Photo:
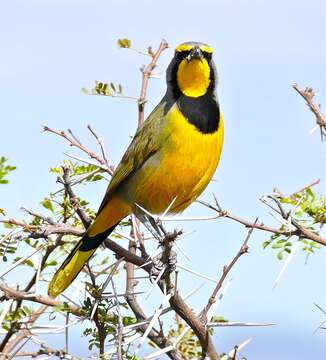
113	87
51	263
128	320
27	262
47	203
96	178
124	43
218	318
57	170
315	245
280	255
265	244
277	245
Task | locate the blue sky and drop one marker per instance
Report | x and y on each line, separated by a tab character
49	50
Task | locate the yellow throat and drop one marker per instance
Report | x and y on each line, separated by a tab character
193	77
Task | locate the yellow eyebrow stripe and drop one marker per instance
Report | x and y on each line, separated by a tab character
187	47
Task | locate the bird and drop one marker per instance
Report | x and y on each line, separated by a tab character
171	158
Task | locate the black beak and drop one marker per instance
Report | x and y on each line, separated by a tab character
195	53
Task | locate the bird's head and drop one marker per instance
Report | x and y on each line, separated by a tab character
192	71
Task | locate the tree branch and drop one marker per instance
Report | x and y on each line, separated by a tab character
10	293
147	72
300	231
308	94
10	345
86	220
74	143
44	231
226	269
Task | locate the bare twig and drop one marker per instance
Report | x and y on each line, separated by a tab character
46	219
300	231
10	293
308	94
74	143
120	324
308	186
85	219
46	350
101	143
227	268
147	72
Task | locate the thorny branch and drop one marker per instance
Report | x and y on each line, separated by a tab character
10	293
73	198
46	350
7	347
300	231
226	269
100	141
43	231
72	142
308	94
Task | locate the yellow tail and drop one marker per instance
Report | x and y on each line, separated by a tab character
106	220
75	261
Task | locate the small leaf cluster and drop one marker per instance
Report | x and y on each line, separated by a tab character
5	170
106	316
16	316
124	43
8	245
189	345
104	89
59	204
80	173
310	206
283	245
309	209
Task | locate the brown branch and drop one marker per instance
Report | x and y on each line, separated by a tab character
188	315
100	141
10	293
74	143
46	350
85	219
226	269
12	330
147	72
313	183
121	252
176	302
131	299
180	306
300	231
308	94
43	231
46	219
12	343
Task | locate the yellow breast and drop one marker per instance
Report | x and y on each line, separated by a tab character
181	170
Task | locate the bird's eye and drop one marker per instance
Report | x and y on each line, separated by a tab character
207	55
182	54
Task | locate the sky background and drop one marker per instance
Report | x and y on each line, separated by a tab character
51	49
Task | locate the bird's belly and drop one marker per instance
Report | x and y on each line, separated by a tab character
181	172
